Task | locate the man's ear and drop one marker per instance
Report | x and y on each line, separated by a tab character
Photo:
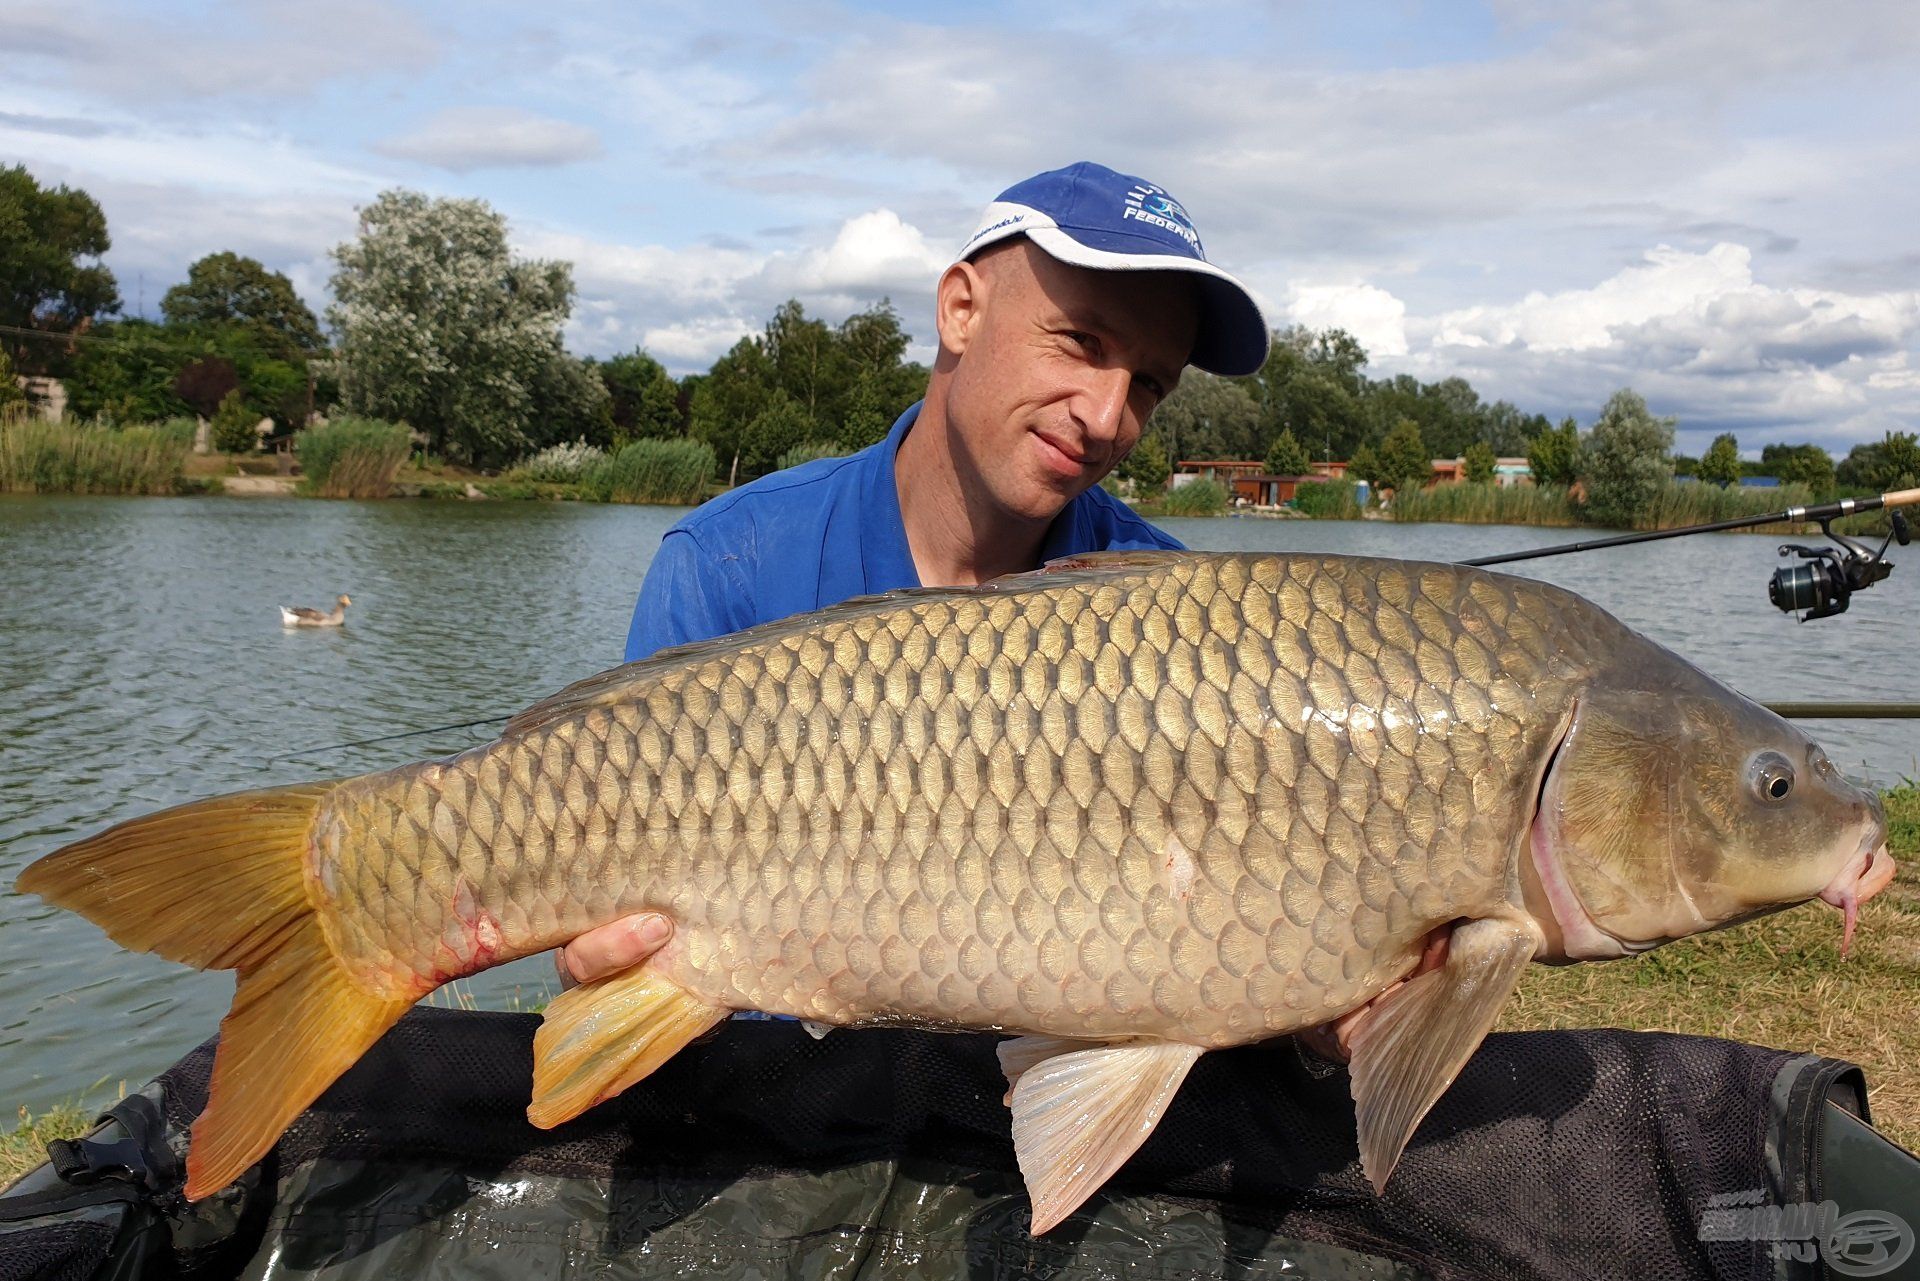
959	302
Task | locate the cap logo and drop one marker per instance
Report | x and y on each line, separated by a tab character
1153	206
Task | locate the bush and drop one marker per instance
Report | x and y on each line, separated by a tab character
812	451
1625	462
1201	497
1327	499
352	457
654	471
233	425
560	464
38	457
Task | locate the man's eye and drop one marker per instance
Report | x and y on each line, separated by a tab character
1076	336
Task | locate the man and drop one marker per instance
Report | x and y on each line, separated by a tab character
1068	317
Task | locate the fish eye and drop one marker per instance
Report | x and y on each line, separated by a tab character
1772	776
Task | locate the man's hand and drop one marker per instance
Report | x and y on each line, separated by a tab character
613	947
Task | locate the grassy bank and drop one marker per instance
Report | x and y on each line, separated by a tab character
67	457
1676	505
25	1146
1778	982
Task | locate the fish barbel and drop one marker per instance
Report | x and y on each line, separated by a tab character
1129	808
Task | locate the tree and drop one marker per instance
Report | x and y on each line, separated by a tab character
442	328
1625	461
1208	417
1480	463
1554	456
1146	465
227	289
728	399
1720	465
11	397
45	234
1807	465
126	374
1402	459
1892	463
572	403
1365	465
1287	456
644	400
206	383
1310	384
234	424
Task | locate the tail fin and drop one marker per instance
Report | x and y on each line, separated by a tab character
220	884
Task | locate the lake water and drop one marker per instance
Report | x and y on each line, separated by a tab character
142	663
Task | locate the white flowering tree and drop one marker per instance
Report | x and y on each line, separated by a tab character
440	327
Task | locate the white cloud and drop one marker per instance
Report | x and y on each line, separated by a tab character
688	305
1369	313
462	139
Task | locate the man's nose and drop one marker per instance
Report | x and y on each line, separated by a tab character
1106	402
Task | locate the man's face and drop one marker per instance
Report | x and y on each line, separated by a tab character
1055	369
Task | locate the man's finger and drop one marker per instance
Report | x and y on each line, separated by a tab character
616	946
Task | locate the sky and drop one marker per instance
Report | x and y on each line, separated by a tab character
1712	203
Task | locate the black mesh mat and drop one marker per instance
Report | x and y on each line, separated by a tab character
1577	1155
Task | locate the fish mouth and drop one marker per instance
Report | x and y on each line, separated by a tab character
1864	875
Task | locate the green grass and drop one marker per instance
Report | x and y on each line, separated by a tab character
1777	981
25	1146
67	457
1327	500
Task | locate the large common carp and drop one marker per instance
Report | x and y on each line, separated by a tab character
1130	808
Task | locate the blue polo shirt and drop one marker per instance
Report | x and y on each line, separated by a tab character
816	535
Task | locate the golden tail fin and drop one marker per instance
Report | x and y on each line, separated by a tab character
220	884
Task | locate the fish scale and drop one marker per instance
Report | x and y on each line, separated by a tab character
1072	804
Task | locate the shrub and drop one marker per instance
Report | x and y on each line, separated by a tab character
560	464
352	457
38	457
1327	499
233	425
1201	497
654	471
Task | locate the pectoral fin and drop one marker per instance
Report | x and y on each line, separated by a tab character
601	1037
1408	1051
1078	1115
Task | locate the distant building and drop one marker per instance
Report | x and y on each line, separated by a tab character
1506	471
1759	482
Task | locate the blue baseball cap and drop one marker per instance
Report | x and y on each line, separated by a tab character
1090	216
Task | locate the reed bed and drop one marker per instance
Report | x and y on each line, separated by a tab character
1487	505
1698	504
1201	497
654	471
67	457
352	457
1327	500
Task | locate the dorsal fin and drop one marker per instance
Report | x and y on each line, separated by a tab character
617	683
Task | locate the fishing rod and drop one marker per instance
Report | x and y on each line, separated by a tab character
1823	586
1819	586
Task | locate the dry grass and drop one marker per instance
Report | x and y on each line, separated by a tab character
1778	982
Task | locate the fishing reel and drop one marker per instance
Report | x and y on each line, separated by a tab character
1824	581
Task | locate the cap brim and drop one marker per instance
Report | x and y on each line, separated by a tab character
1233	332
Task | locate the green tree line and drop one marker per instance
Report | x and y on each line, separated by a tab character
436	323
